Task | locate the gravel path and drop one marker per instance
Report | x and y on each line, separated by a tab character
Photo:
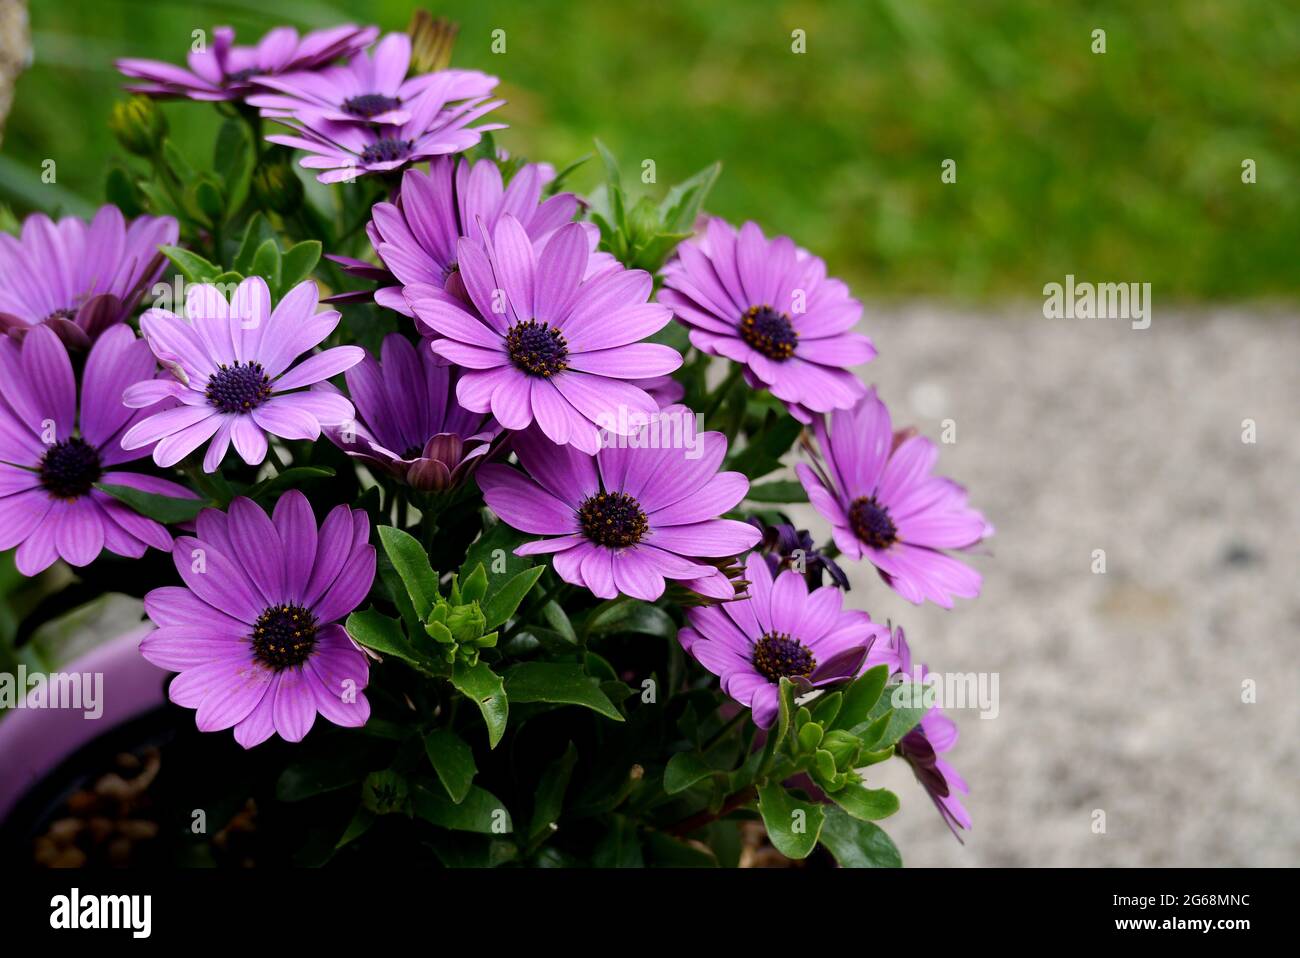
1120	692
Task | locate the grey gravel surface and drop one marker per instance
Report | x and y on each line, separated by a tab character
1120	692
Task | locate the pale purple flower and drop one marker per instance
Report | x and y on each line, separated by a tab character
768	305
79	278
254	633
885	507
230	371
415	236
630	517
223	71
439	125
781	630
53	451
372	87
543	344
922	746
409	423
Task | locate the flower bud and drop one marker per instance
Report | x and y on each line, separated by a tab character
138	125
431	41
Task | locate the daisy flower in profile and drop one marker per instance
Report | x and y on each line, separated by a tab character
781	630
230	372
415	236
54	450
541	343
223	71
885	507
438	125
255	632
769	306
79	278
370	88
922	746
632	516
408	421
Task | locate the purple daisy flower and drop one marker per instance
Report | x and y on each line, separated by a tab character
229	365
786	547
921	747
80	278
408	421
769	305
224	71
439	125
51	457
254	633
884	506
544	344
630	517
370	88
781	630
415	235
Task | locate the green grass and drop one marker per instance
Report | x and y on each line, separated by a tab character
1119	166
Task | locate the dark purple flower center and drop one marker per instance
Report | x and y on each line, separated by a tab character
242	76
871	523
613	519
778	656
70	468
370	104
387	150
239	387
768	331
70	314
450	270
413	452
537	349
284	636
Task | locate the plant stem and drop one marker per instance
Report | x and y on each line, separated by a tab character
724	389
698	821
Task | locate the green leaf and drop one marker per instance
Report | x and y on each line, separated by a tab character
867	804
319	773
298	262
861	697
480	811
682	204
665	851
486	689
685	769
641	618
781	490
384	793
615	184
184	172
164	509
256	233
766	447
192	266
474	586
377	631
412	564
233	160
290	478
453	760
266	263
505	600
858	844
792	825
554	186
549	802
826	708
494	548
904	718
559	683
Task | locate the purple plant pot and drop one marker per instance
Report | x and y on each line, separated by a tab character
35	741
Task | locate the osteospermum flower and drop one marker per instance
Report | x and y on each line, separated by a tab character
230	371
79	278
885	507
53	452
415	236
630	517
921	747
781	630
769	305
438	125
541	343
223	71
370	88
409	423
254	633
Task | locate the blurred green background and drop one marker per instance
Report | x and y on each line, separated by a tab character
1122	166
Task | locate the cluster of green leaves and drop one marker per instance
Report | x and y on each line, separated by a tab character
643	234
260	253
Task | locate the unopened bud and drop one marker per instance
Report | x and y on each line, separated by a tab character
431	41
138	125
